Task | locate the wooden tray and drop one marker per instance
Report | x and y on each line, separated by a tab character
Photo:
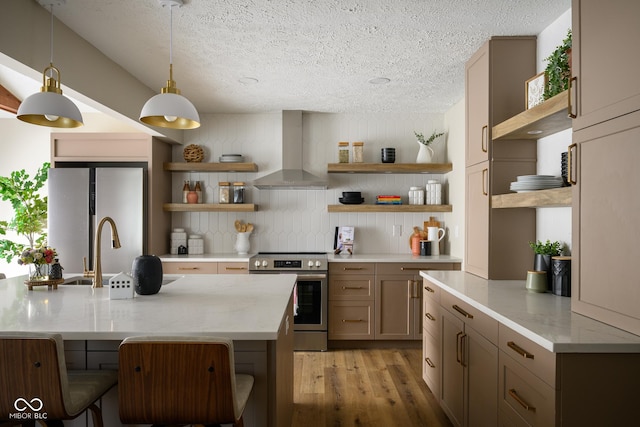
51	284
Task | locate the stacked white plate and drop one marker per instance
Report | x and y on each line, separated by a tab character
536	182
231	158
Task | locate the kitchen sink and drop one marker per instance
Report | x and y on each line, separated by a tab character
81	280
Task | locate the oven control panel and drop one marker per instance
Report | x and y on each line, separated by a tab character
284	264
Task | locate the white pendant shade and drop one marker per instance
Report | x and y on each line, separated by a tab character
170	110
50	109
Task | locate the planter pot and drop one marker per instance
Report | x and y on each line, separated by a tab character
543	263
147	273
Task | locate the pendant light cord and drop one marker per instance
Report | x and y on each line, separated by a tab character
171	34
51	37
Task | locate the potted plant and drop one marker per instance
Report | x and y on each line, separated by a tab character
30	211
425	154
542	256
558	69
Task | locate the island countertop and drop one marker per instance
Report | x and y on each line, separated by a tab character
544	318
235	306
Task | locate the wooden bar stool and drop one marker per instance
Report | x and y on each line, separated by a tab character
34	381
180	380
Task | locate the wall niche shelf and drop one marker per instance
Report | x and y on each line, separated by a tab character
209	207
210	167
538	122
390	208
555	197
389	167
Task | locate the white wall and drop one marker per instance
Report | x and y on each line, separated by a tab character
553	223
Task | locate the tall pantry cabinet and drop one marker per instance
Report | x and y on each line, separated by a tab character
496	244
604	157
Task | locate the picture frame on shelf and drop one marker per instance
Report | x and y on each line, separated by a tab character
534	90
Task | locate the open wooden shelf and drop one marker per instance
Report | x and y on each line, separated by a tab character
555	197
210	167
389	167
543	120
390	208
209	207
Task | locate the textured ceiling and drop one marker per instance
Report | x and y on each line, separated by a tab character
314	55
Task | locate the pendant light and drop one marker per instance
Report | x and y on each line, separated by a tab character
50	107
169	109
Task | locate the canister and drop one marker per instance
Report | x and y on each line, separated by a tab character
224	189
358	152
343	152
196	244
238	192
561	279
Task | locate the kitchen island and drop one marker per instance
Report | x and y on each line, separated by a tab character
256	312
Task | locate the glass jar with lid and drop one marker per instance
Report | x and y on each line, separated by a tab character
343	152
224	191
238	192
358	152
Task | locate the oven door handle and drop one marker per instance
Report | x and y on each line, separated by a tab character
311	276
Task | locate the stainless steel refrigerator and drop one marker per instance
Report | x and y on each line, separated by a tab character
79	198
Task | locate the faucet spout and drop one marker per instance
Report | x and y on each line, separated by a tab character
97	253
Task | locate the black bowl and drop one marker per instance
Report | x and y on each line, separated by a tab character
351	194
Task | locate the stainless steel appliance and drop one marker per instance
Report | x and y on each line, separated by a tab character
79	197
310	294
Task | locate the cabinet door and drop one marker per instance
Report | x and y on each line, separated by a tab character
185	267
233	268
604	59
396	302
431	368
481	361
477	220
606	202
452	386
477	107
351	320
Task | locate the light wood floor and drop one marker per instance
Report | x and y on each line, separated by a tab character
373	387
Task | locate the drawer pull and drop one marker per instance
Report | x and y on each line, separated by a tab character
188	268
429	362
428	289
515	347
352	320
522	403
344	288
235	268
413	268
430	317
462	311
352	268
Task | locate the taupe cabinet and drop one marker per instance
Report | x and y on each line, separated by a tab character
377	301
496	240
205	267
605	159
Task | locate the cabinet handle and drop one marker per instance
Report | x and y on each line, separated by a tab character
188	268
429	362
352	320
462	311
515	347
463	349
430	317
413	287
352	268
460	350
428	289
413	269
525	405
570	112
458	346
344	288
484	181
484	138
235	268
572	180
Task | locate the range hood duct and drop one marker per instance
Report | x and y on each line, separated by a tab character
291	176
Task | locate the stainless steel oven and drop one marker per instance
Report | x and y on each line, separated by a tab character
310	293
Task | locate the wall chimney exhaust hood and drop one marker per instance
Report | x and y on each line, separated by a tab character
291	176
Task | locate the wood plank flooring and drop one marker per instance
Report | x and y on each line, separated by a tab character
372	387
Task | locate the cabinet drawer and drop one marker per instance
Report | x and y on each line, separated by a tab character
233	268
351	287
190	267
430	318
413	268
523	394
431	362
351	268
532	356
430	291
351	320
471	316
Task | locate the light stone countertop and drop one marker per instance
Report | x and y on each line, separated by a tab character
239	307
544	318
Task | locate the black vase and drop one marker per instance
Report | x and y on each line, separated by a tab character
147	273
543	263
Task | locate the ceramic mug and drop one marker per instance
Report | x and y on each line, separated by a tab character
435	233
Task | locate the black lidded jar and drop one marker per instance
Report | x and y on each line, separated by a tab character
147	273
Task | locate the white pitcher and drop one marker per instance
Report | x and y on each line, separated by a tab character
242	243
435	235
